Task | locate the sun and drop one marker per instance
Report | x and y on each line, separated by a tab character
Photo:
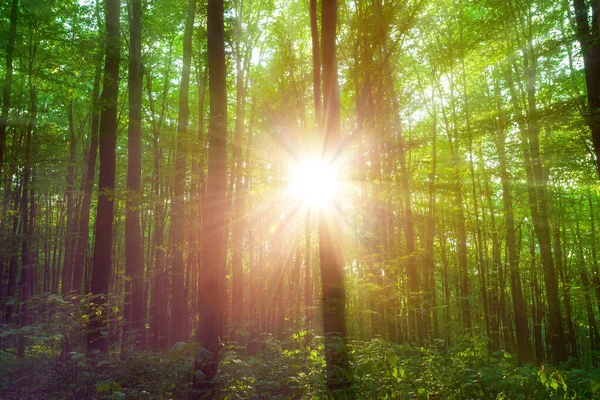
314	182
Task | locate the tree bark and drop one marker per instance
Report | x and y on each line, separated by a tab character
237	270
67	272
589	40
212	291
518	301
135	302
102	260
86	201
179	306
316	62
10	48
330	221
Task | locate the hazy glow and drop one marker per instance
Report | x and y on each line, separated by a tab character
313	182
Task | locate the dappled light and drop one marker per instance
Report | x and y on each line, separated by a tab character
299	199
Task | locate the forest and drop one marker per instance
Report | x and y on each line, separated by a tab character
300	199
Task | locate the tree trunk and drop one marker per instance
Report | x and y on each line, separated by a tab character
330	221
589	40
179	306
518	301
135	302
316	62
102	260
237	269
67	272
10	48
84	215
212	290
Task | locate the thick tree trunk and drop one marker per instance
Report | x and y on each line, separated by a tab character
102	260
135	301
212	290
330	221
589	40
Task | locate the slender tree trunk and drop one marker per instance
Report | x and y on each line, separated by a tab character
135	301
26	284
237	270
518	301
102	260
67	272
316	62
308	292
159	312
429	268
537	306
179	306
539	208
84	215
10	48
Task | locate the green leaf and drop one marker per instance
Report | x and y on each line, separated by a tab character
392	358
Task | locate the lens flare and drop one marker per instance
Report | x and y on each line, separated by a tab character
313	182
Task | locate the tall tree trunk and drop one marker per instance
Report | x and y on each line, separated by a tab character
212	291
237	270
102	260
330	221
179	306
26	284
589	40
84	214
67	272
429	295
135	301
10	48
308	292
316	62
159	312
539	210
518	301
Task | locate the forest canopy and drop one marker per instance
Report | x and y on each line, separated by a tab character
299	199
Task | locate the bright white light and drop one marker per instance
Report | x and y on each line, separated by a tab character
314	182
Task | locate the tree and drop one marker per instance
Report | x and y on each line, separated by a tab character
179	306
10	48
102	260
135	302
330	223
589	40
211	291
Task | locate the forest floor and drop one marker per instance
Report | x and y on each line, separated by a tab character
294	369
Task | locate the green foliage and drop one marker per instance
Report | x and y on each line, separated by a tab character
295	368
